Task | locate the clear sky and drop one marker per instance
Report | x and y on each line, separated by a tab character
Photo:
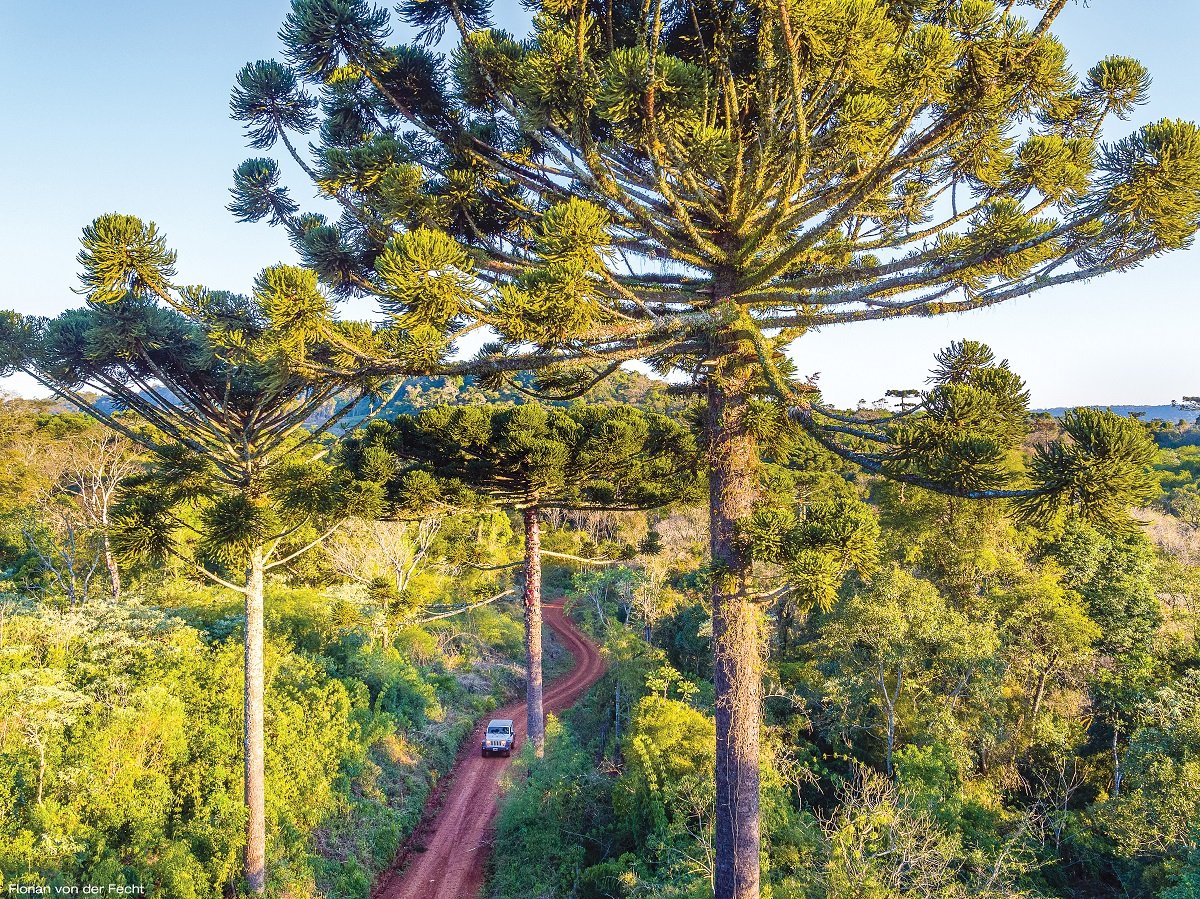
123	106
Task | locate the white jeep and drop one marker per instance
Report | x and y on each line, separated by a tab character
498	737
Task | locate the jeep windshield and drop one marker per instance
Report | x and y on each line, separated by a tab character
499	730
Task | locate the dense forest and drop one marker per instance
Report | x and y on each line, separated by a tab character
266	566
974	707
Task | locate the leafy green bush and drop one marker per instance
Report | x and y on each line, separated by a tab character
120	742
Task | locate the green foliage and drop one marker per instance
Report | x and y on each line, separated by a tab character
269	99
430	17
122	255
1150	826
1103	471
559	795
817	544
526	455
426	278
257	193
975	419
136	714
319	34
886	652
719	163
669	776
1114	574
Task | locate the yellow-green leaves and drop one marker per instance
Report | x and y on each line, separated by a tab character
817	544
362	167
573	233
486	62
233	525
401	195
558	300
852	36
552	85
925	67
547	306
1055	167
1101	471
1001	223
1157	182
973	19
426	277
1118	84
680	91
862	125
293	303
120	255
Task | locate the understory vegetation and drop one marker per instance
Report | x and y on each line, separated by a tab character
121	757
956	704
121	721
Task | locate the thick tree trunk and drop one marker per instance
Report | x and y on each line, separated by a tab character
533	633
737	642
256	821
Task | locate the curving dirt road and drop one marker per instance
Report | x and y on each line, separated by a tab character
457	838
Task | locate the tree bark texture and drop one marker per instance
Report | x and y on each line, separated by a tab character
254	748
533	632
737	639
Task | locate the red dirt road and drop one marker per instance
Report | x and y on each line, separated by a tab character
458	838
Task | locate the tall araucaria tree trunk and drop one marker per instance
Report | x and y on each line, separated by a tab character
737	645
533	632
256	822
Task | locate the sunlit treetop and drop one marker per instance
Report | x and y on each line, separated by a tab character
219	375
631	177
698	185
692	185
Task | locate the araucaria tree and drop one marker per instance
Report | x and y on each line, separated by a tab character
208	383
698	184
528	458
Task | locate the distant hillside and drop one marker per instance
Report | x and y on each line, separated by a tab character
1170	426
415	394
1146	413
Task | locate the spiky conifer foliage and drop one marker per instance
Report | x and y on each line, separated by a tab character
600	458
683	184
209	383
699	185
529	458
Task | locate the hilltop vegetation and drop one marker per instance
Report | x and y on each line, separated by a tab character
416	394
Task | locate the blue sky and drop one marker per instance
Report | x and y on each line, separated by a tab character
123	106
